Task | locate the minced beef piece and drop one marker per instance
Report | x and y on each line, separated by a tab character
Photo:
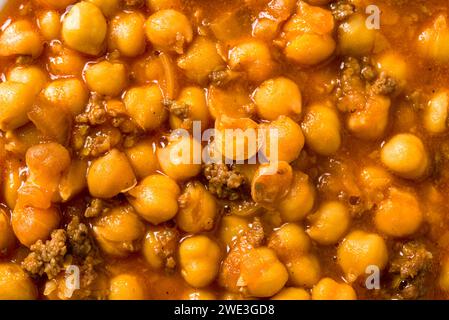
224	180
167	239
180	110
95	208
341	10
384	85
47	257
79	240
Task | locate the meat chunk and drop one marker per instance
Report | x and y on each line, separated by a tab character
224	181
342	9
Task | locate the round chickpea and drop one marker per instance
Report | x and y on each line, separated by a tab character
126	287
231	227
69	94
106	78
436	113
375	178
304	271
393	65
33	76
328	289
20	38
432	42
406	156
15	284
142	157
360	250
310	49
12	180
155	198
126	33
160	246
289	241
49	23
355	38
7	239
16	100
63	61
198	269
107	7
156	5
292	293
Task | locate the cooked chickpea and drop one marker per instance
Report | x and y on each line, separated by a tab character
69	94
299	199
155	198
63	61
328	289
126	33
12	180
33	76
195	100
107	7
436	113
56	4
200	60
393	65
310	49
49	23
289	241
84	28
7	239
198	294
304	271
252	57
110	174
142	157
197	209
20	38
199	269
292	293
106	78
329	223
159	247
73	181
16	100
399	215
156	5
321	128
169	29
262	274
278	97
360	250
355	38
406	156
15	284
432	42
144	105
231	227
126	287
375	178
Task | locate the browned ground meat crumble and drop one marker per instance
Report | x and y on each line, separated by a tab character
224	180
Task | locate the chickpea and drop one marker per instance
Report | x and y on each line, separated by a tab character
292	294
144	105
107	7
198	294
262	273
84	28
197	209
159	247
156	5
304	271
360	250
393	65
20	38
16	99
406	156
19	140
200	60
289	241
271	183
321	128
142	157
106	78
68	94
329	223
155	198
169	29
126	287
49	23
436	113
56	4
299	199
73	181
354	38
432	42
119	231
375	178
63	61
232	101
310	49
110	175
32	76
12	180
399	215
198	269
328	289
231	227
7	239
278	97
252	57
126	33
443	279
15	284
195	100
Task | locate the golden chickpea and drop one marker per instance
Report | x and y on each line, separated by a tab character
289	241
278	97
393	65
68	94
252	57
328	289
7	239
160	246
169	29
20	38
200	60
126	33
433	41
155	198
262	273
73	181
360	250
195	100
16	100
231	227
436	113
156	5
49	23
406	156
199	269
107	7
198	294
12	180
181	158
142	157
19	140
304	271
375	178
443	279
399	215
144	105
292	294
329	223
33	76
15	284
110	175
63	61
299	199
354	38
126	287
56	4
118	231
84	28
310	49
197	209
321	128
106	78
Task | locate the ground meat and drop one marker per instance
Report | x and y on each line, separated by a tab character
341	10
95	208
79	240
167	239
384	85
180	110
224	180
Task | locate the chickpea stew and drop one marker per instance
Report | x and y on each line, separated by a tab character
95	96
